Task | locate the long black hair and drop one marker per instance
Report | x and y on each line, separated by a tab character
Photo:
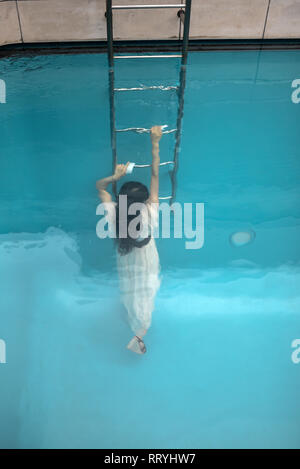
136	192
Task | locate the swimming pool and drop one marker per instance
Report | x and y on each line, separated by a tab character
218	372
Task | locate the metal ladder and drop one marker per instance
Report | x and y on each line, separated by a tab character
184	15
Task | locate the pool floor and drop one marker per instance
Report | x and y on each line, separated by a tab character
218	372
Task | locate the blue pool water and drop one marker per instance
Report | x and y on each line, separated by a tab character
218	371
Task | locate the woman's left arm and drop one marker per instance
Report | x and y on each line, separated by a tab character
102	184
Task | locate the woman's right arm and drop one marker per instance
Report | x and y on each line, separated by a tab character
156	134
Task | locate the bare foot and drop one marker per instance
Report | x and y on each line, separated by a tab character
137	345
141	344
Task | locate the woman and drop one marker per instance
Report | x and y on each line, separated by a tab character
137	256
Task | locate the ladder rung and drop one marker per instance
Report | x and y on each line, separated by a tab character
165	198
141	130
138	7
143	88
147	56
149	165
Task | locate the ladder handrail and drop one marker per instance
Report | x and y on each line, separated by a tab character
187	17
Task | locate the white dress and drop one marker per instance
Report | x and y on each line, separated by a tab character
139	274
